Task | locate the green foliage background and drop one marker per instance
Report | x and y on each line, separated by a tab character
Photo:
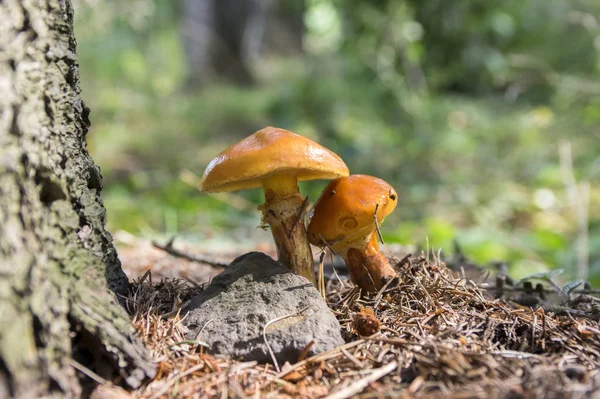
460	105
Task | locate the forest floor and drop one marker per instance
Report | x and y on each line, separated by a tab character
433	333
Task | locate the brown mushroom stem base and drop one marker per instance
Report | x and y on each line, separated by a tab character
369	268
283	212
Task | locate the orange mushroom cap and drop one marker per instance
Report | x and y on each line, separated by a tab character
267	153
344	212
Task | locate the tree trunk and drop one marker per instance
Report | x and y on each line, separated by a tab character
221	38
57	262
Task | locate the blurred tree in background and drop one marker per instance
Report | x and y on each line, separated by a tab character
485	115
222	38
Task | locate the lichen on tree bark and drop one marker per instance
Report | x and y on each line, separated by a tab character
57	262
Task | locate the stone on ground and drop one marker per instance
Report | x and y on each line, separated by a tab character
230	314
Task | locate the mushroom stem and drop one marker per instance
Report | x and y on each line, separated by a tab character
368	267
283	212
279	186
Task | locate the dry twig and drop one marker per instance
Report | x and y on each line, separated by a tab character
358	386
168	247
264	333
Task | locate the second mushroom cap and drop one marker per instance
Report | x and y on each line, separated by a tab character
346	209
346	217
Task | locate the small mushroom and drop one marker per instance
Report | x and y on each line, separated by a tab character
346	217
276	159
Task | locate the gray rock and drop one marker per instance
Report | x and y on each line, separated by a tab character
232	311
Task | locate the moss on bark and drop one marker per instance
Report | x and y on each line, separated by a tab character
57	262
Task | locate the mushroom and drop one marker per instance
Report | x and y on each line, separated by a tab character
346	217
276	159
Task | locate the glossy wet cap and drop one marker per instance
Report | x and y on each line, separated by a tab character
346	209
266	153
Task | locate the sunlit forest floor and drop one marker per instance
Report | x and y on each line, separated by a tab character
432	333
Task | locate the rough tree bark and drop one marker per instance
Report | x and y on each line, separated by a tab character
57	262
